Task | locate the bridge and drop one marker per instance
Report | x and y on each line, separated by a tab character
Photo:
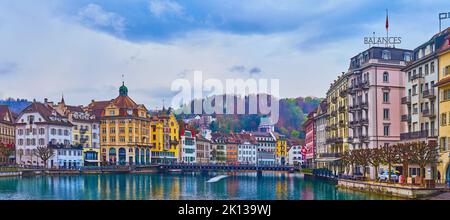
225	167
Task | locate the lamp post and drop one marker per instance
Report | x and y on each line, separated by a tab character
443	16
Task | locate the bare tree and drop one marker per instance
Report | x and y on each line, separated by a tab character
362	157
404	152
375	159
44	153
424	154
6	152
389	155
349	160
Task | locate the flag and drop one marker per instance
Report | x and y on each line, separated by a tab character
387	20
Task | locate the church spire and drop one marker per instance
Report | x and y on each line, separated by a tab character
62	99
123	90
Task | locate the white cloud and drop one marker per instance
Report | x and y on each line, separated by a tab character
160	8
94	15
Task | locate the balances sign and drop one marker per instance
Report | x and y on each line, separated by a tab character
382	40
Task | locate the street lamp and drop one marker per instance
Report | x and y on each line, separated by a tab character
443	16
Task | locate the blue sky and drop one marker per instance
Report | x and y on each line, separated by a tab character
83	47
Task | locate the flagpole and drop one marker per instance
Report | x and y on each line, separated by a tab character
387	28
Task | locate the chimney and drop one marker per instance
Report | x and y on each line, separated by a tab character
45	100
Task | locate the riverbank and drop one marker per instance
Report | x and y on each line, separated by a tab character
395	190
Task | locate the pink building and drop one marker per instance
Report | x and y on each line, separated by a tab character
308	127
376	87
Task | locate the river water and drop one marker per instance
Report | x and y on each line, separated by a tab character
175	186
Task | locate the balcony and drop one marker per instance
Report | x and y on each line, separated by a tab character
365	139
406	100
336	140
406	118
416	76
341	123
354	107
428	94
429	113
364	105
334	100
342	109
414	135
83	131
365	85
364	122
332	155
343	93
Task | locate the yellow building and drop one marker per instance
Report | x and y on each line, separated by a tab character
124	130
444	109
165	138
337	129
281	154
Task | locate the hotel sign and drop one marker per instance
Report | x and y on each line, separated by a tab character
383	40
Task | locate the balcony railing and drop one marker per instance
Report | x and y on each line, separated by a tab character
342	109
333	155
429	94
336	140
365	85
416	76
406	100
343	94
334	100
406	118
414	135
364	121
364	105
428	113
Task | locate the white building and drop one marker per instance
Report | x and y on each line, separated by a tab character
247	149
188	147
37	126
295	155
68	157
267	145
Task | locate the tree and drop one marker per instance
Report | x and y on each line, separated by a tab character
362	158
404	152
6	151
214	126
295	133
375	159
389	157
44	153
349	160
423	154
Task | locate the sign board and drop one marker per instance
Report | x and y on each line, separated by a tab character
383	40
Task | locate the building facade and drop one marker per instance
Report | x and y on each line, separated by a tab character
376	85
295	157
444	109
218	151
232	149
66	157
281	154
266	154
125	135
85	132
203	146
247	149
188	146
337	128
7	134
320	124
165	137
39	125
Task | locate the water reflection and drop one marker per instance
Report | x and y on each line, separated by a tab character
175	186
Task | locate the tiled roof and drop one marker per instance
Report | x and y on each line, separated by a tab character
47	113
5	113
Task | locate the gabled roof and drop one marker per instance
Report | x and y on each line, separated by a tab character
6	117
50	115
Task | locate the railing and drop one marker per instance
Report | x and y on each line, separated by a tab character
414	135
416	76
333	155
406	118
428	113
406	100
364	105
364	121
429	94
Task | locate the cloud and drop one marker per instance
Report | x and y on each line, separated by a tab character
160	8
255	71
238	69
93	15
7	68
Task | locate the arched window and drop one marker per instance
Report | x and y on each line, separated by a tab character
385	77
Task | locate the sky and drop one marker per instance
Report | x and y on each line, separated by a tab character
81	48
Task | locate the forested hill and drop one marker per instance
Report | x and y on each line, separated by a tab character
293	112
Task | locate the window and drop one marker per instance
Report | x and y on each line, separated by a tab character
432	67
41	131
53	131
443	119
385	97
407	56
385	77
446	71
446	95
426	70
386	55
386	114
386	130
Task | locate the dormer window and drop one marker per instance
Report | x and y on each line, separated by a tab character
31	119
386	55
407	56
